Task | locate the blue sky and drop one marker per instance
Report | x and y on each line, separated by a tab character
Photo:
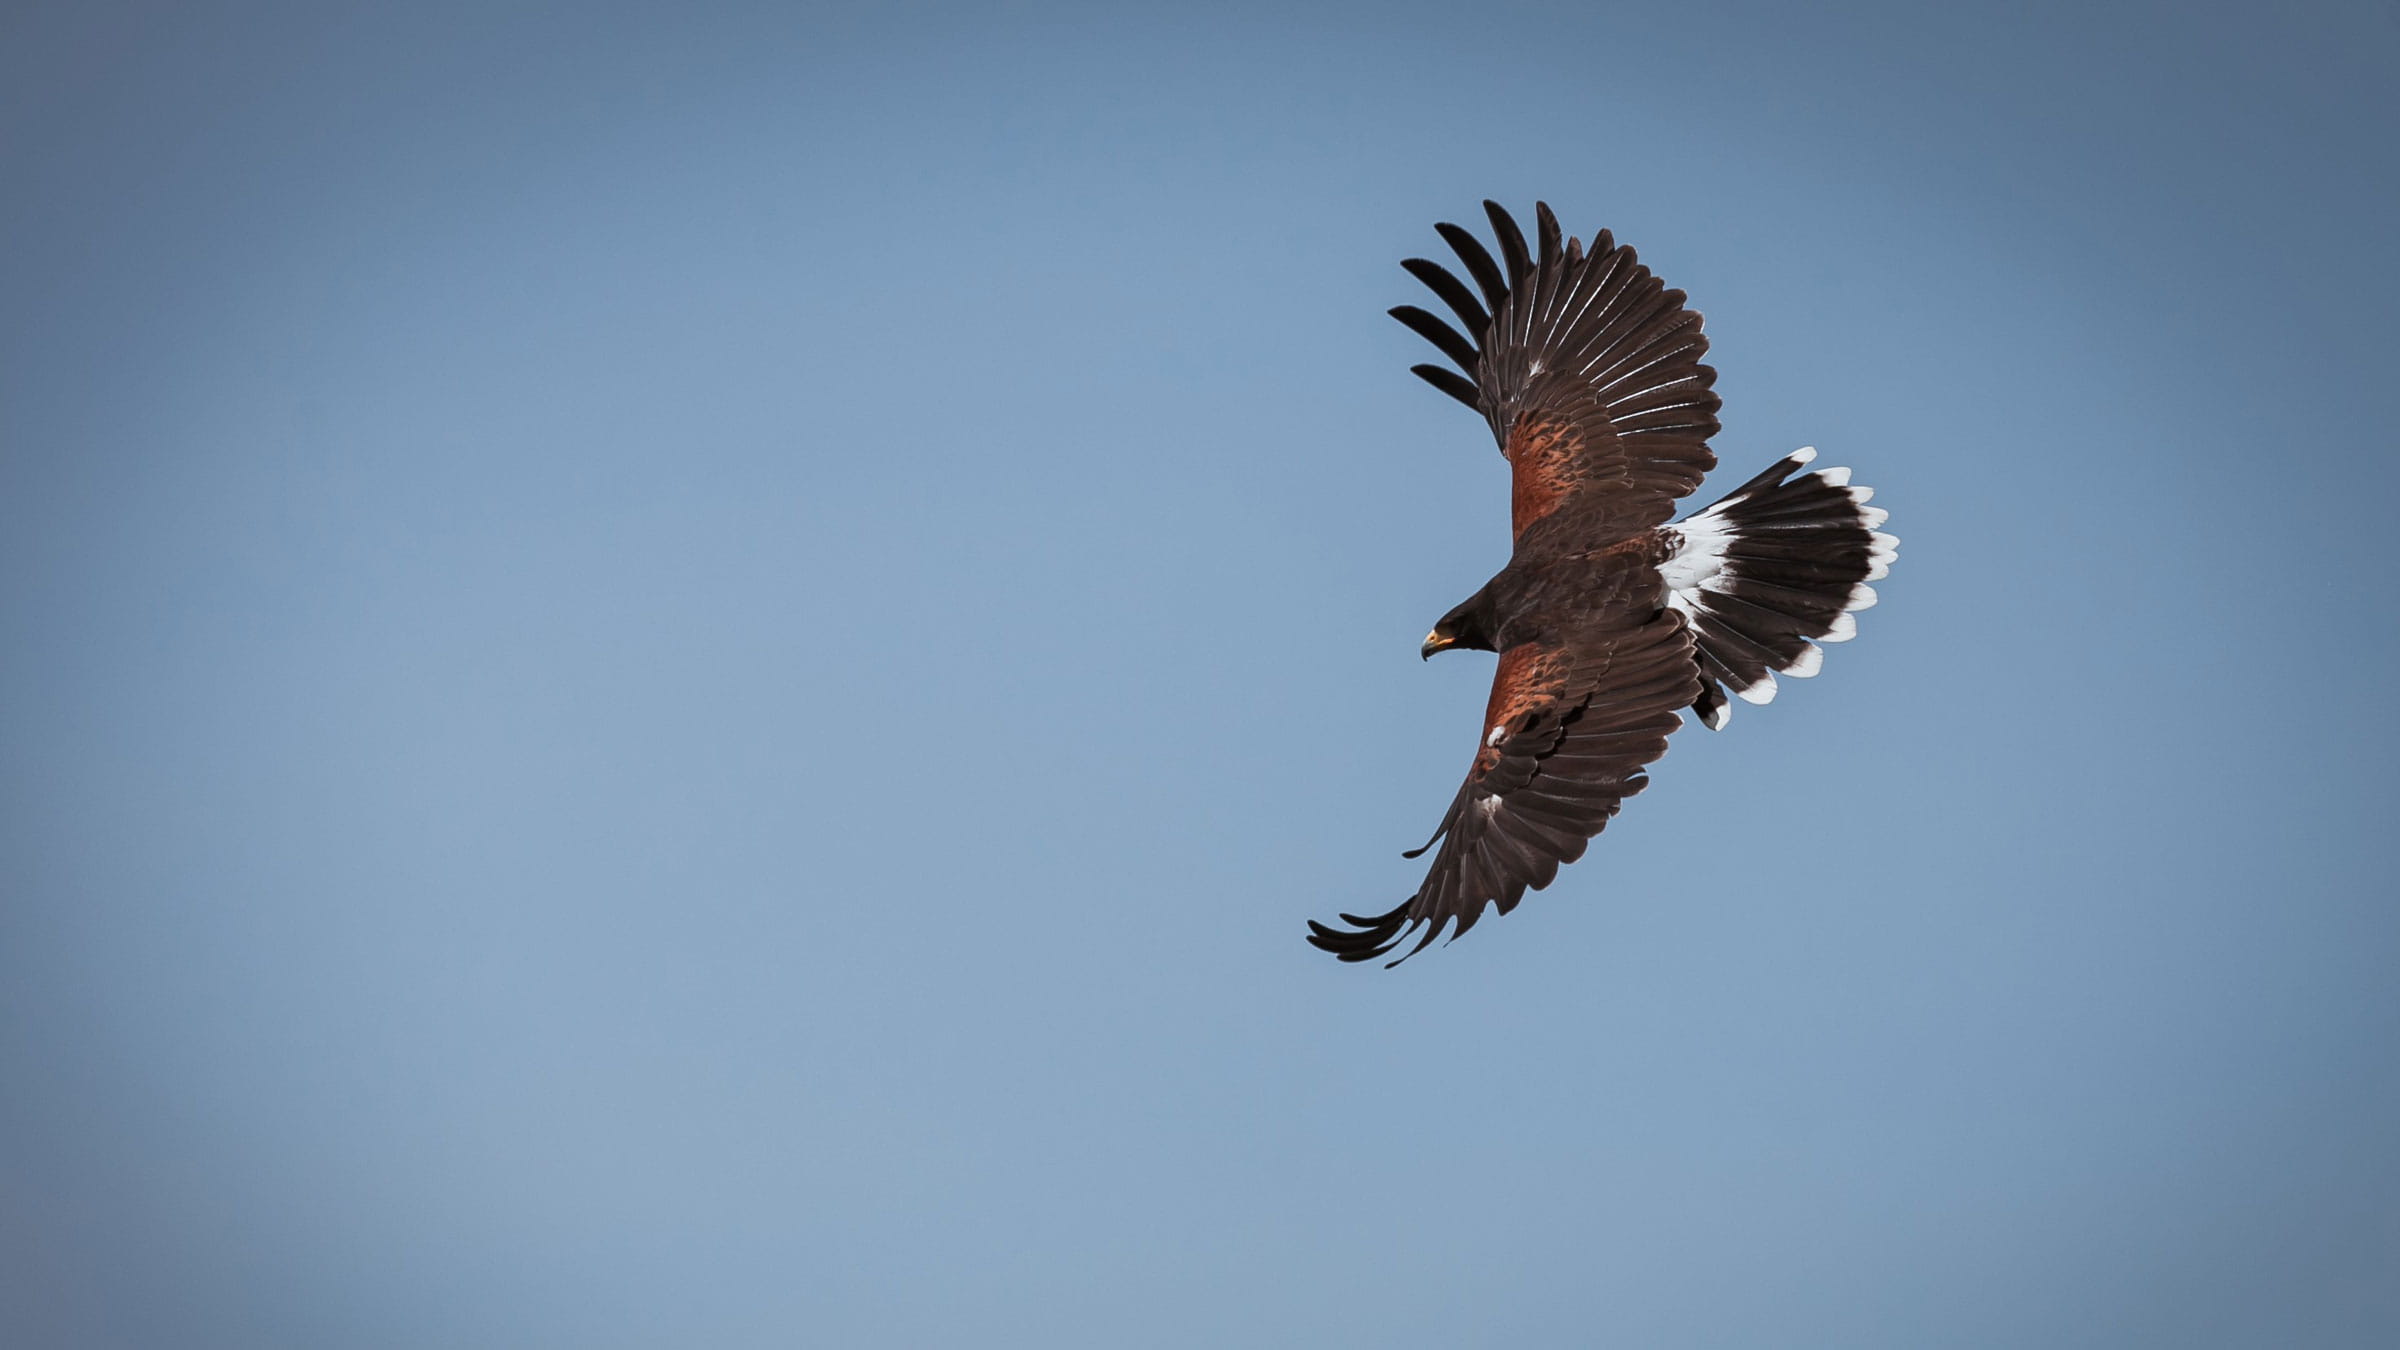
681	676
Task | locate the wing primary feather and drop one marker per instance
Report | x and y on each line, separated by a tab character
1479	263
1449	382
1433	929
1554	279
1512	241
1536	297
1440	334
1438	832
1453	293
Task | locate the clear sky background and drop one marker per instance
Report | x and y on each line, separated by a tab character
678	676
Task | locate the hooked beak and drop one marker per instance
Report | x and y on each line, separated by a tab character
1435	642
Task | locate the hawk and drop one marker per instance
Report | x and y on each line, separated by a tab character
1608	620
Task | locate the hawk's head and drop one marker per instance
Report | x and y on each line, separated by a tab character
1472	625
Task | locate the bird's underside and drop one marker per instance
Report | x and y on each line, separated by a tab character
1608	620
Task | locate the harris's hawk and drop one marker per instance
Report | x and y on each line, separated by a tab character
1608	620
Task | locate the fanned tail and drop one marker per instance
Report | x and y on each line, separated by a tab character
1765	575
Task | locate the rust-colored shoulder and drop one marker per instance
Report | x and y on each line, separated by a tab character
1530	678
1545	455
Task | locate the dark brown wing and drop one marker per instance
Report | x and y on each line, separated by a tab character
1588	369
1566	736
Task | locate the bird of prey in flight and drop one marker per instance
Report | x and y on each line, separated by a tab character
1608	620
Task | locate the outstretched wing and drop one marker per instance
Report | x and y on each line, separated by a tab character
1566	736
1588	369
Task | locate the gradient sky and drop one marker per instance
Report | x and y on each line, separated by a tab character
679	675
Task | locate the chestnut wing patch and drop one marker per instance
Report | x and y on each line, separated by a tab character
1566	737
1547	457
